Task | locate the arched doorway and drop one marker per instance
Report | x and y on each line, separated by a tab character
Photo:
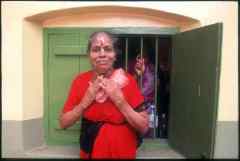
71	22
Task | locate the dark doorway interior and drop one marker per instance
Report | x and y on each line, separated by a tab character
157	49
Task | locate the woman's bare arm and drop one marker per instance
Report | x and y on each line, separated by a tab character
138	120
69	118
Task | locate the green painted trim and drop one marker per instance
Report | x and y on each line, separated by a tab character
120	30
216	89
146	30
45	84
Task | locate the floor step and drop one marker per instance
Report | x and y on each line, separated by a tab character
152	149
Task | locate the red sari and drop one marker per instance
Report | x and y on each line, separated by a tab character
116	138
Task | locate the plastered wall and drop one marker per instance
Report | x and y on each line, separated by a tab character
22	60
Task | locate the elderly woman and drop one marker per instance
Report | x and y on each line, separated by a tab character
109	103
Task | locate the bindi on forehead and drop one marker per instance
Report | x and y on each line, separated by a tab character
102	40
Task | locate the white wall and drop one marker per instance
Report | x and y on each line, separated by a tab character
11	65
16	89
32	71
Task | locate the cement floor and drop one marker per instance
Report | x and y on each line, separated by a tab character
160	150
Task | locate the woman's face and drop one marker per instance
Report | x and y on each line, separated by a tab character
102	54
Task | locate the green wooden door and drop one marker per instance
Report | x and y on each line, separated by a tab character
194	91
65	58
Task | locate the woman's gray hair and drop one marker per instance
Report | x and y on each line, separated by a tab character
95	34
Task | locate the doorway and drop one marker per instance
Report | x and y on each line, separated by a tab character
191	101
155	80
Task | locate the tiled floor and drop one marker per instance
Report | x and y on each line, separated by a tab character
157	150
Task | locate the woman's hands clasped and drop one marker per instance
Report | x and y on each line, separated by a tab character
109	86
91	92
112	90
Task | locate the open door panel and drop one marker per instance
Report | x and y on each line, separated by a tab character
194	91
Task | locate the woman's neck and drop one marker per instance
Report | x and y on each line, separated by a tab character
105	74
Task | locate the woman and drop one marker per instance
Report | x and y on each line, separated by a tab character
113	113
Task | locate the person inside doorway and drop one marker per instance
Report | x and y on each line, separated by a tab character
109	102
143	68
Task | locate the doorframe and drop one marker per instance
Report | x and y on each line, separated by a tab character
116	30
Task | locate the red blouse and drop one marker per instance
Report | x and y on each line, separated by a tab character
114	140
